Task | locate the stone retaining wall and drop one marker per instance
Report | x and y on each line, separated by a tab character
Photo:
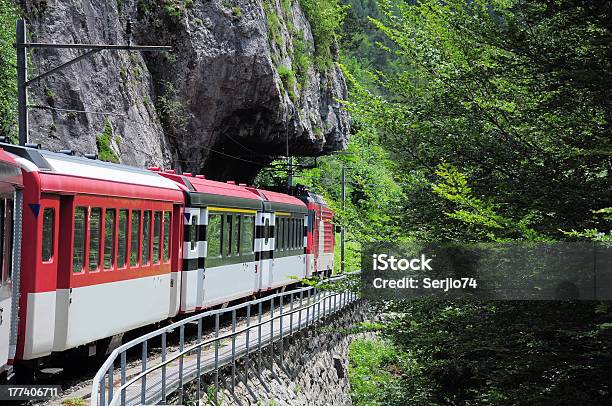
308	368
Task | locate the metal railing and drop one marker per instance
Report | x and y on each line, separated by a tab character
154	380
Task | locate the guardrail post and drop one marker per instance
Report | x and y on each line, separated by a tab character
233	349
282	346
300	312
102	391
272	332
319	305
181	347
259	338
123	366
199	357
111	372
291	315
308	308
248	338
217	359
143	381
325	299
335	302
163	355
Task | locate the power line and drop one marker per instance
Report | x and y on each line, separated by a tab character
227	155
61	110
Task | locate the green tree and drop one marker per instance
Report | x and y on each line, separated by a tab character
511	93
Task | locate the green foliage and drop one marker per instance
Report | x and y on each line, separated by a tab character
8	67
301	59
325	18
74	402
273	23
237	11
370	366
528	130
103	141
474	211
490	353
290	83
496	117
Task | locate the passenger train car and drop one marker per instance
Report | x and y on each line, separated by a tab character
320	237
90	250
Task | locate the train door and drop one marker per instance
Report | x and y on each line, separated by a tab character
6	263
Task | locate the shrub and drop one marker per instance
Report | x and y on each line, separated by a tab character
288	77
103	141
325	18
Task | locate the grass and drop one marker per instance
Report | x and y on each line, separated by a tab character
289	81
74	402
273	23
103	141
369	364
352	254
301	59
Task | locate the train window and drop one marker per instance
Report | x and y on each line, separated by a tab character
157	218
146	237
298	233
246	234
6	231
78	241
193	233
286	235
266	231
47	234
281	227
276	239
302	233
94	238
135	238
289	233
291	230
236	234
123	233
214	235
167	228
227	235
109	238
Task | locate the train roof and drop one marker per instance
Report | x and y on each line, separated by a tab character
204	192
275	201
302	193
69	173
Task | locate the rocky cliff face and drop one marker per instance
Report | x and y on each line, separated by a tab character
239	88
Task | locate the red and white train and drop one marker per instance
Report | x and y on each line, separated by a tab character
90	250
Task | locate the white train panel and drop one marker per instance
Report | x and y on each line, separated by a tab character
40	324
98	311
229	282
288	270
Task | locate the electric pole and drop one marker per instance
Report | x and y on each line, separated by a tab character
22	47
289	173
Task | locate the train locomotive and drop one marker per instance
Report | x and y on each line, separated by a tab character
90	250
